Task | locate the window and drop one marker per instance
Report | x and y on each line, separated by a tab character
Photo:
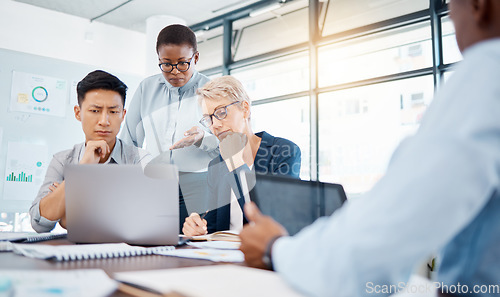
451	53
391	52
359	129
278	77
212	76
286	119
210	53
344	15
274	34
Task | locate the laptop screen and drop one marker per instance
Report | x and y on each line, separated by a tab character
295	203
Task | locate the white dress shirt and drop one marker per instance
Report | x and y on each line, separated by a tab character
440	191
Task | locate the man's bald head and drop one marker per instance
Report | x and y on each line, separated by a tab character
475	20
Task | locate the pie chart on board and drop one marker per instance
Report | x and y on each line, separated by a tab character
40	94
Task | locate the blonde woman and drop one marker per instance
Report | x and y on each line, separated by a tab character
226	111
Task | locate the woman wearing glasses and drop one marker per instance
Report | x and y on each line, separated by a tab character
164	113
226	111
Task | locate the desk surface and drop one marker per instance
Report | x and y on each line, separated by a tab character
9	260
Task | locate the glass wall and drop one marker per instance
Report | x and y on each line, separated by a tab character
287	119
210	53
276	77
359	128
395	51
345	15
451	53
273	34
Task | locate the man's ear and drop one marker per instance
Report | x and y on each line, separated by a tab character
124	112
77	112
482	10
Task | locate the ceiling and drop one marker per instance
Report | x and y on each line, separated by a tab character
132	14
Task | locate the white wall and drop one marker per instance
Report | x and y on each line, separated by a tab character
47	43
39	31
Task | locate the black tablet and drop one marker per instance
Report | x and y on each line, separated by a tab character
292	202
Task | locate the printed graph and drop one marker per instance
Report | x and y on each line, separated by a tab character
24	170
21	177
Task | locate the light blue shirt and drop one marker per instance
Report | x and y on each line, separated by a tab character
158	116
440	193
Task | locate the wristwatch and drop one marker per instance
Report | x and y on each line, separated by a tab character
267	257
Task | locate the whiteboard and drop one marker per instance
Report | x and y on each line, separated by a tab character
56	133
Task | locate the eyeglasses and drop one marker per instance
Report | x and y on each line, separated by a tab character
181	66
220	113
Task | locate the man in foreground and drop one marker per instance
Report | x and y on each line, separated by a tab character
440	193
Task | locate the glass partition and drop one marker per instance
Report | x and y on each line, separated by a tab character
359	129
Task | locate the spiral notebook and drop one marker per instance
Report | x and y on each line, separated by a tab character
27	237
84	251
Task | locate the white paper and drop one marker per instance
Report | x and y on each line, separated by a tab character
211	281
38	94
67	283
220	245
207	254
24	170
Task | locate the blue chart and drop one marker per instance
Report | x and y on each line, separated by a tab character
24	170
38	94
21	177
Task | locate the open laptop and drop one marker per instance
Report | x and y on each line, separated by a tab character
293	203
122	203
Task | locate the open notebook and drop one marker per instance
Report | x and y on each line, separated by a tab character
84	251
27	237
228	235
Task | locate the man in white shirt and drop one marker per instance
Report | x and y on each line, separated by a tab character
441	192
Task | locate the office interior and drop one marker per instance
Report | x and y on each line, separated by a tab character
345	80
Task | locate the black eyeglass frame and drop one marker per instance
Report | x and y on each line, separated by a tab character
208	118
176	64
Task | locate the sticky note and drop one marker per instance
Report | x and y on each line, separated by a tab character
22	98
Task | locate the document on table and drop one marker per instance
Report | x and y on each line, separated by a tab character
220	245
206	254
210	281
67	283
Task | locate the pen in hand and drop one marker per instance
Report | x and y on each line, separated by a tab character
202	221
203	215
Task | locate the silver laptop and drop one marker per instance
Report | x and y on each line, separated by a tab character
122	203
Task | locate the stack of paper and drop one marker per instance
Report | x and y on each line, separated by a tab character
216	255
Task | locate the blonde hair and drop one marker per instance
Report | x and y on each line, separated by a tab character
224	87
